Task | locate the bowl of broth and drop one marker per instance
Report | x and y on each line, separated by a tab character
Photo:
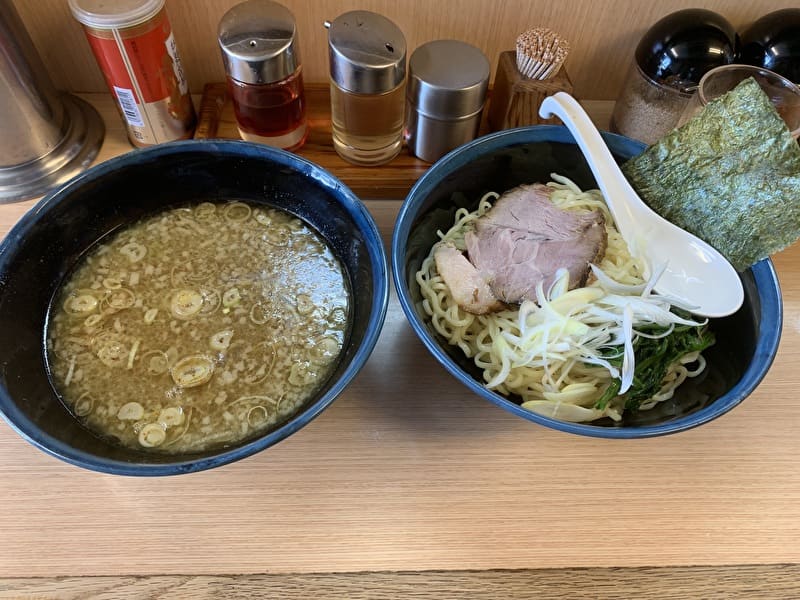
546	360
184	306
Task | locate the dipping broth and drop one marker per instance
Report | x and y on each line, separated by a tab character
198	327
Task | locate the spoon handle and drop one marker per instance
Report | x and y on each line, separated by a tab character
610	179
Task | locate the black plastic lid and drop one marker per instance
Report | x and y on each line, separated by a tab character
680	48
773	42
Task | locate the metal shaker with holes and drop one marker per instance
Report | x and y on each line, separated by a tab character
367	54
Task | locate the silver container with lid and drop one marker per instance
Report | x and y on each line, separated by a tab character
258	41
367	54
446	93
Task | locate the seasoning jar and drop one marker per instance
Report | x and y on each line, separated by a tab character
260	50
367	55
669	61
773	42
447	83
133	43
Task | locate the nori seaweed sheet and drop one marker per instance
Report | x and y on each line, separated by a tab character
730	175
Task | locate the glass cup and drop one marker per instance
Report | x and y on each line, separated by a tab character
784	94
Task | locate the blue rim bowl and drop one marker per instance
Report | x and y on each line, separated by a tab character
746	341
45	244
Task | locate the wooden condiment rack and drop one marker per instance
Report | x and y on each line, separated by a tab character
390	181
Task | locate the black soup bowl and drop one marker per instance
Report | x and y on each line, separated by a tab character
46	243
747	341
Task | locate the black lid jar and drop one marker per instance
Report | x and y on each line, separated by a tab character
670	59
773	42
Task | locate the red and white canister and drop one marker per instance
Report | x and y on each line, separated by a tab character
133	43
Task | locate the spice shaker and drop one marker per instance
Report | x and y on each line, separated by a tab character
133	43
367	55
446	93
669	61
260	50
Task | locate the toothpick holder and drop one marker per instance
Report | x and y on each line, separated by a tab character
515	99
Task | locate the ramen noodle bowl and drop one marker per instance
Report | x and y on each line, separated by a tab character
208	344
579	354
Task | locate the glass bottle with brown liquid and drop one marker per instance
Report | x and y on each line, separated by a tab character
258	40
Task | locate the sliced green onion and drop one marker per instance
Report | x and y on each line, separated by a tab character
83	405
132	411
277	236
120	299
304	303
187	422
171	416
192	371
132	354
92	321
231	298
133	251
156	362
337	316
237	211
112	283
186	304
301	374
257	416
113	354
221	339
204	211
152	435
257	314
80	304
70	371
211	301
262	217
324	349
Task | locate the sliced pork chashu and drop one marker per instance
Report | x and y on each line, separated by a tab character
524	239
469	289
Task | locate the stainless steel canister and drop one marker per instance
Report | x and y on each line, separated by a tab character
446	93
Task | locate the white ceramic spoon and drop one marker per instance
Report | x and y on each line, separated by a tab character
695	272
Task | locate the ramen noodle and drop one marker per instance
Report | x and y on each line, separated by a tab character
566	354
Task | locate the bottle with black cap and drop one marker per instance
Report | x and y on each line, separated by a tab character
669	62
773	42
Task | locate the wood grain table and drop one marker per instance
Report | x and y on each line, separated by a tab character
411	486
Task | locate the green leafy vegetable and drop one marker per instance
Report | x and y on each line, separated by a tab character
653	358
731	176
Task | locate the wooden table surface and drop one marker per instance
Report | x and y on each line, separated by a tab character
409	485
